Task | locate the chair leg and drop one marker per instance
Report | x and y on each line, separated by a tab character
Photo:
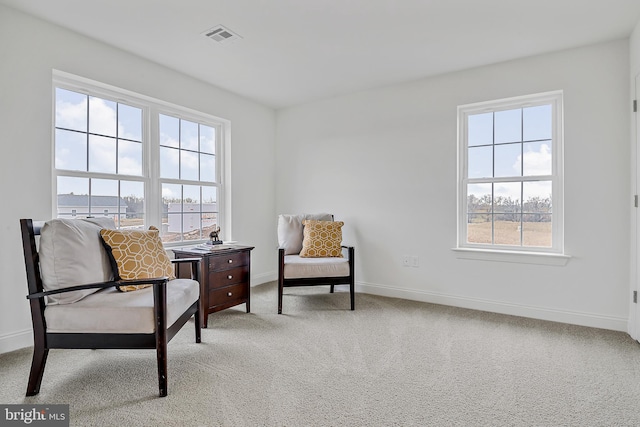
331	290
162	369
352	291
37	369
280	289
196	318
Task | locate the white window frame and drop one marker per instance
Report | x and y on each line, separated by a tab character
151	108
555	253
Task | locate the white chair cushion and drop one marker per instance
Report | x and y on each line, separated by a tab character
296	267
290	230
71	253
112	311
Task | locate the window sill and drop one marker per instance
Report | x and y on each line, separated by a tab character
540	258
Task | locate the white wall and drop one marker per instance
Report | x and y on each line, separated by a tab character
634	55
384	161
29	50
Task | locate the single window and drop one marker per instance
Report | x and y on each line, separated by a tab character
140	161
510	174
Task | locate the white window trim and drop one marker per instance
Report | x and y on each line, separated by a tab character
151	107
533	255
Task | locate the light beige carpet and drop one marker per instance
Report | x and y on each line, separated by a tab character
389	363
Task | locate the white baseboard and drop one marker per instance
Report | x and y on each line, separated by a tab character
16	340
261	278
563	316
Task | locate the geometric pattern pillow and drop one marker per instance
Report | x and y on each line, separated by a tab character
290	230
138	254
322	239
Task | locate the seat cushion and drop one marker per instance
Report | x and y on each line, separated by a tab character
290	230
296	267
112	311
71	253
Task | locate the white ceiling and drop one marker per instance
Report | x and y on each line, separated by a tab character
296	51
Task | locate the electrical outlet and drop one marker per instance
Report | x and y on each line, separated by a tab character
415	261
406	260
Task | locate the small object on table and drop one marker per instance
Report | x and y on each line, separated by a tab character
214	237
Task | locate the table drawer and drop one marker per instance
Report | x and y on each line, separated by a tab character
229	295
219	279
224	262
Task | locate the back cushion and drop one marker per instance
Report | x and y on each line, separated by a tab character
71	253
290	230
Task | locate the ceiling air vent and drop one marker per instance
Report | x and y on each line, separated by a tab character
221	34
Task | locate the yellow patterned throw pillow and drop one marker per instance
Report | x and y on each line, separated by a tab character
321	239
138	254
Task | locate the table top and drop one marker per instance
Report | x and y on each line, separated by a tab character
205	249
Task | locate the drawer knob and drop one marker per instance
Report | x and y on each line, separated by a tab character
229	277
230	261
229	294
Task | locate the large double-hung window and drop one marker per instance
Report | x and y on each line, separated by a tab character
510	174
137	160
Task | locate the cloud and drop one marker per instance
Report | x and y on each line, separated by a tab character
536	162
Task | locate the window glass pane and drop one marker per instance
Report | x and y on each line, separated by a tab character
537	214
506	205
71	110
209	224
508	160
189	165
506	199
207	139
209	197
536	230
188	135
536	197
104	198
207	168
171	230
479	198
71	150
102	116
508	126
73	196
537	123
169	162
505	230
537	158
191	195
169	131
129	122
480	128
129	157
191	227
132	194
480	162
102	154
479	228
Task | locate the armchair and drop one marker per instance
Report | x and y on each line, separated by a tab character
75	304
296	270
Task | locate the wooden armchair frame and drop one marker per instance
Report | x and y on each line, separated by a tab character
44	341
314	281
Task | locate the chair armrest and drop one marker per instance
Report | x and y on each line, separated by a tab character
350	251
195	266
183	260
72	288
102	285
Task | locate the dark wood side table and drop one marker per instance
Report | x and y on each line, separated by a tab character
224	277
